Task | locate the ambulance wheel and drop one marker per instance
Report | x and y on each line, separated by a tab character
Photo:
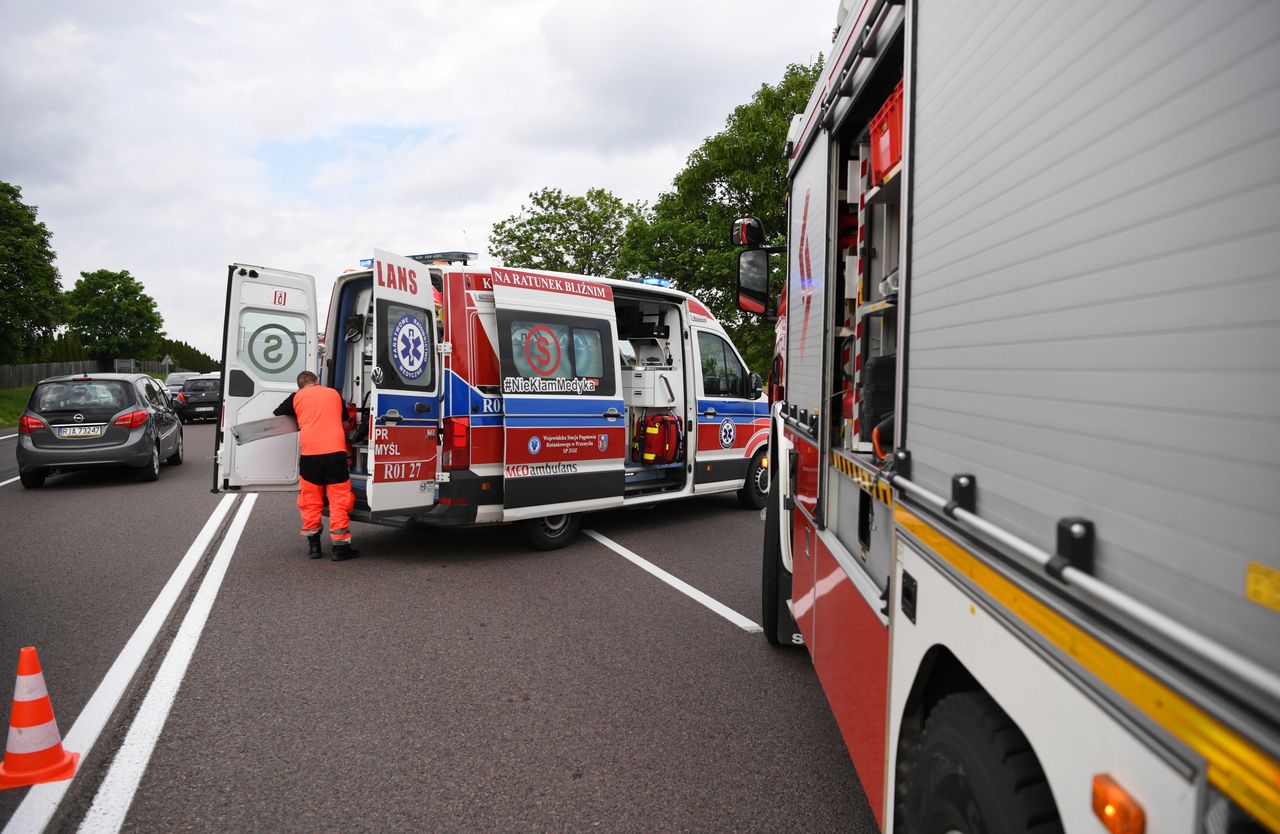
550	532
756	490
976	772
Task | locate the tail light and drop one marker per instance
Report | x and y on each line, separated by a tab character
455	451
132	420
26	424
182	398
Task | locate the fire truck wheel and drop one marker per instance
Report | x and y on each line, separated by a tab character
770	579
756	490
551	532
976	772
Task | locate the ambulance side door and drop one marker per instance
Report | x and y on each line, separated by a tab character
564	418
404	411
731	424
269	336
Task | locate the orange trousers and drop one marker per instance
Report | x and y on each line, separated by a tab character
311	503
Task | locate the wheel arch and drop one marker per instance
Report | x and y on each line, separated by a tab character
939	674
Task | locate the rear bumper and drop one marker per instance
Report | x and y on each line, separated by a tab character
191	411
136	451
457	504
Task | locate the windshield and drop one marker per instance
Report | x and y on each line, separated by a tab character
176	378
77	395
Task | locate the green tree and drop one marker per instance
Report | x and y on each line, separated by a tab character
186	356
113	317
30	298
740	171
565	233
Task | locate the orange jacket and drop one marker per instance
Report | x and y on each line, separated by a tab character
320	413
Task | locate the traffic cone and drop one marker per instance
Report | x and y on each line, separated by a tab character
33	753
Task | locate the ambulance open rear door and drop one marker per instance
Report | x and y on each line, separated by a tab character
405	406
565	425
269	337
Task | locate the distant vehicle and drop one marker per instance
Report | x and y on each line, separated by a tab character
198	399
173	382
97	421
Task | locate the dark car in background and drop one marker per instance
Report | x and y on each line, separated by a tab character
173	382
198	399
95	421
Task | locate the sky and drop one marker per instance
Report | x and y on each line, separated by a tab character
172	139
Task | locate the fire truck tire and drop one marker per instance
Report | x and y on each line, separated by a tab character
976	772
756	489
550	532
771	575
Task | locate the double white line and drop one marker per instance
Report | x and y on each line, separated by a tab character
116	792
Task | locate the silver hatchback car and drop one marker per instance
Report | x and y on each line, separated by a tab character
97	420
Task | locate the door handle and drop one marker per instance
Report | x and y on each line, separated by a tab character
710	412
392	417
611	414
422	408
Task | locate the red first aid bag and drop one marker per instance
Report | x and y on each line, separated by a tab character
660	441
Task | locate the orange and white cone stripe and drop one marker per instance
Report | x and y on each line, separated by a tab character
33	751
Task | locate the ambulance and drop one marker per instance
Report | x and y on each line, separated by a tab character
481	395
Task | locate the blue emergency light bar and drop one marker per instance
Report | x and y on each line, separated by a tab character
656	281
432	258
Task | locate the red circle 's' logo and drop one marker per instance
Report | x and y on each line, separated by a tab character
542	350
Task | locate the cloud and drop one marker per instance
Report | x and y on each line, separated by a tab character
172	142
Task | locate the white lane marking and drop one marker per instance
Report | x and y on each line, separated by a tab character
679	584
6	483
116	792
8	437
41	801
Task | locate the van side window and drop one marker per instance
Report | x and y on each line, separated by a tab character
723	374
554	354
405	347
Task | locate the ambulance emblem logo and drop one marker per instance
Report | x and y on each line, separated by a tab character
535	445
728	433
409	347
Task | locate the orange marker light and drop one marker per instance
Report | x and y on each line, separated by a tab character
1119	813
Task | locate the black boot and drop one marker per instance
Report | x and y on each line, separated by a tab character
313	546
343	552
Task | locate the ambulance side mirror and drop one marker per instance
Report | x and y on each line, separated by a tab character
753	282
755	386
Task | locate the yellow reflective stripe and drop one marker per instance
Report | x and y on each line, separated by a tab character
1236	767
866	480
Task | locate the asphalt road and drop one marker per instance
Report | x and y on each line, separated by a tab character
444	681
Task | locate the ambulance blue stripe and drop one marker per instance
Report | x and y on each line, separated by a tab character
584	406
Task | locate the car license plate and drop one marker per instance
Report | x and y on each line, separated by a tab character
205	408
80	431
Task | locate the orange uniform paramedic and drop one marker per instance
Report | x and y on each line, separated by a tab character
322	463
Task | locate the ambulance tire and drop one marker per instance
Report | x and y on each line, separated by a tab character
755	491
771	575
976	771
550	532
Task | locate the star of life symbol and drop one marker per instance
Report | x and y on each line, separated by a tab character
728	433
535	445
410	340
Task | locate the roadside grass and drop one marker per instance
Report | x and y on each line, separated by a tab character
12	402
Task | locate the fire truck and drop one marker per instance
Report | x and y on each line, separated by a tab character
480	395
1026	435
